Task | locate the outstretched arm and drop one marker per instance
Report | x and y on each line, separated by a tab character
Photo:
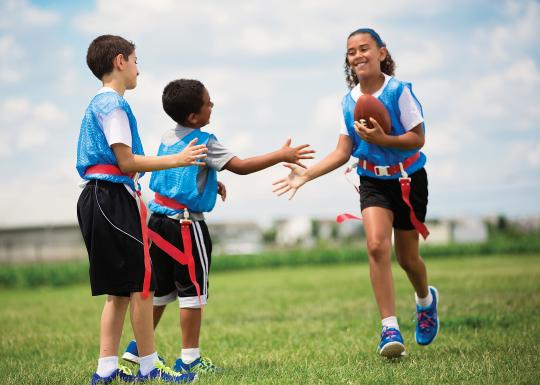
298	177
284	154
129	162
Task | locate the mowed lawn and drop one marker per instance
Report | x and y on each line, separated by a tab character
304	325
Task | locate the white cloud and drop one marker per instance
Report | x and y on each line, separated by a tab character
427	56
534	154
15	14
5	148
52	203
11	53
242	27
514	37
13	109
525	153
26	125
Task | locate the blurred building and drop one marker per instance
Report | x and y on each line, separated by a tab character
236	238
41	243
64	242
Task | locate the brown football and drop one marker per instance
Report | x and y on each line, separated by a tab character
369	106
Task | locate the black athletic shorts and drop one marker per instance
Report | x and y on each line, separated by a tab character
376	192
173	278
110	225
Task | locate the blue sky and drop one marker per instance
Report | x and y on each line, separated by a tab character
274	70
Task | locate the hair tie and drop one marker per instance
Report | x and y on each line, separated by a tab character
373	34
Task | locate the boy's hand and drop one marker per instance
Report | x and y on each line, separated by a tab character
190	155
295	154
292	182
373	135
222	190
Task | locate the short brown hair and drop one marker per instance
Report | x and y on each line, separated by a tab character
102	52
182	97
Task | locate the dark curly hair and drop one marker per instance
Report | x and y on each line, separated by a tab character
388	65
102	52
182	97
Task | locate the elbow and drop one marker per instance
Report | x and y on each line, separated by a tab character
343	158
241	172
239	167
124	167
415	144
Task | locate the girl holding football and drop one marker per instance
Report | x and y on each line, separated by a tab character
393	183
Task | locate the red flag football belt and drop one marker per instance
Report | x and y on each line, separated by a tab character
183	258
404	181
388	170
111	169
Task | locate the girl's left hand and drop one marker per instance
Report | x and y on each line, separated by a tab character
373	135
221	190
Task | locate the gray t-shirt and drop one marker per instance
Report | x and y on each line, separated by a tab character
217	157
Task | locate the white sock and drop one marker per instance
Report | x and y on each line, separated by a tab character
190	355
107	365
424	302
148	363
390	322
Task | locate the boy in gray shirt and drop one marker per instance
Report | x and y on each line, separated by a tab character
181	252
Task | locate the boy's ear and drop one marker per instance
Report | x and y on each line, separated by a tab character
191	118
119	61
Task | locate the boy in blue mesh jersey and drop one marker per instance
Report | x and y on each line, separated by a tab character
192	191
109	153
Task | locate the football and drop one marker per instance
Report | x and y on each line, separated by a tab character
369	106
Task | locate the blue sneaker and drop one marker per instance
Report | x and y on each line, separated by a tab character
120	374
166	374
391	345
200	365
427	324
131	354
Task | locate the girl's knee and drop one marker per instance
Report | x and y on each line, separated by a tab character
407	262
379	249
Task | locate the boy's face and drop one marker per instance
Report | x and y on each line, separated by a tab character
202	118
131	71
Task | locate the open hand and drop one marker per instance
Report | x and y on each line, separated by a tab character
190	155
373	135
222	190
296	154
292	182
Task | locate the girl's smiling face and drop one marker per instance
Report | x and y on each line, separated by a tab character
364	55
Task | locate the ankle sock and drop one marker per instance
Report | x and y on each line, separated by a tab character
148	363
424	302
107	365
190	355
390	322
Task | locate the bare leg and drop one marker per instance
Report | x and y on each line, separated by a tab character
112	323
158	312
378	227
407	253
142	323
190	324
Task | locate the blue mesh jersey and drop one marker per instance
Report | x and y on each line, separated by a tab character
92	147
180	183
378	155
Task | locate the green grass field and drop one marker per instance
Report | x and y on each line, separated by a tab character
304	325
